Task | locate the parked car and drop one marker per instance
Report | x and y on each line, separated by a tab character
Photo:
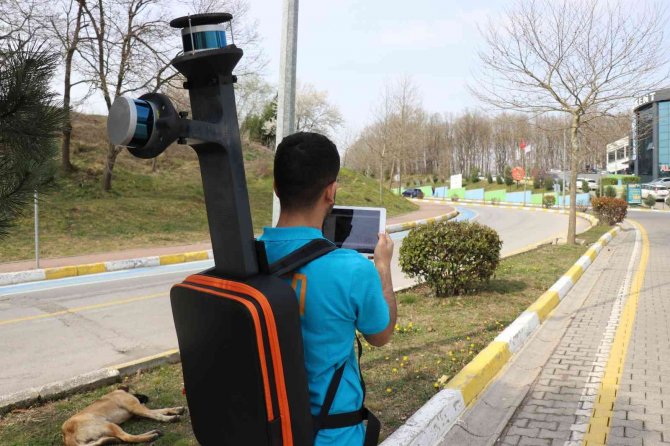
413	193
665	181
593	184
658	191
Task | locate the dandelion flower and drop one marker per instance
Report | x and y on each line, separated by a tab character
388	390
394	370
405	358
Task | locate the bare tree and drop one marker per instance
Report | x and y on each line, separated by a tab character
65	26
378	137
313	112
581	58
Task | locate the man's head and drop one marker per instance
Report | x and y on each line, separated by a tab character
305	170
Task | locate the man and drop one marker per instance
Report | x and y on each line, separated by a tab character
340	292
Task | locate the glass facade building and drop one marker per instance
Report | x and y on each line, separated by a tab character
651	135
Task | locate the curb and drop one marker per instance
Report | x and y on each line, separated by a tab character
145	262
435	418
86	381
519	206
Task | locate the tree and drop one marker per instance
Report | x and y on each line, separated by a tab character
65	25
30	121
578	58
507	175
313	112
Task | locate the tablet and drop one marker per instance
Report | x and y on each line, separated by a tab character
354	227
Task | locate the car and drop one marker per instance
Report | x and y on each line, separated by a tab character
658	191
665	181
593	184
412	193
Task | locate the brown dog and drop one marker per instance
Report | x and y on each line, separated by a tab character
98	424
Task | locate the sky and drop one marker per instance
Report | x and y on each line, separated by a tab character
352	48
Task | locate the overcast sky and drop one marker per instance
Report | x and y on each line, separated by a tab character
351	48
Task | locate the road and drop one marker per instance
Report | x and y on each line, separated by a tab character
55	330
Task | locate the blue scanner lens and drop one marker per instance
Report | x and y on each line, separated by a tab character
204	40
145	123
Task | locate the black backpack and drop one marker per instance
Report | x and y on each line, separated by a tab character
242	358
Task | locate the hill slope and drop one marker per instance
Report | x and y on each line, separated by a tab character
150	205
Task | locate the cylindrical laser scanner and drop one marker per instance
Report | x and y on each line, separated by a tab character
131	122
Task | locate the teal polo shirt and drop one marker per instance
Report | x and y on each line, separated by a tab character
338	294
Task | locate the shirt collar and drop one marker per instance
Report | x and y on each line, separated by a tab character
291	233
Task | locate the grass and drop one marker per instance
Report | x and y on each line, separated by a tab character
435	337
146	207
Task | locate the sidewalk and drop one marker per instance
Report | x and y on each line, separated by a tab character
598	371
425	211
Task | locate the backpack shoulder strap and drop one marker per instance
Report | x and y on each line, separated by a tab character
301	256
325	420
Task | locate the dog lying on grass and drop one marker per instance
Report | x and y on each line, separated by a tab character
98	424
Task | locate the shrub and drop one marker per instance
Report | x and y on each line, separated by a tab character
451	257
474	176
549	183
495	201
454	197
548	201
610	210
507	175
598	192
607	181
649	201
489	178
610	192
537	182
630	179
585	186
499	179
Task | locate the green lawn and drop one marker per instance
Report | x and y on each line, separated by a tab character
147	208
434	337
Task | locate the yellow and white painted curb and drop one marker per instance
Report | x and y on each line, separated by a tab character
86	381
519	206
433	420
144	262
100	267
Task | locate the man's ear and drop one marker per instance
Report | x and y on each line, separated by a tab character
329	193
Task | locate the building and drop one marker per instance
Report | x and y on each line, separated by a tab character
651	135
619	156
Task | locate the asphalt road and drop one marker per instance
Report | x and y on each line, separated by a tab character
55	330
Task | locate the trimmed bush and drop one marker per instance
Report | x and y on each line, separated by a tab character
548	201
507	175
537	183
608	181
453	258
549	183
610	192
585	187
489	178
609	210
650	201
499	179
630	179
454	197
474	176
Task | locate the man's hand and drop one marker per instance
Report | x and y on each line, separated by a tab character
383	256
384	249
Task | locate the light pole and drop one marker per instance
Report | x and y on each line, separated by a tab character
287	68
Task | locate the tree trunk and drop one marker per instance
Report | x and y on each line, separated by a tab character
66	165
574	151
381	179
67	86
112	152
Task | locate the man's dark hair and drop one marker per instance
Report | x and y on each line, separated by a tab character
305	163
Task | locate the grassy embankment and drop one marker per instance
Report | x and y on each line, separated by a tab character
150	208
434	337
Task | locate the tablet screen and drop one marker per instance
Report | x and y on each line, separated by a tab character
355	228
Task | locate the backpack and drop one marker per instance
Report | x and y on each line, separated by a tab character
241	350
